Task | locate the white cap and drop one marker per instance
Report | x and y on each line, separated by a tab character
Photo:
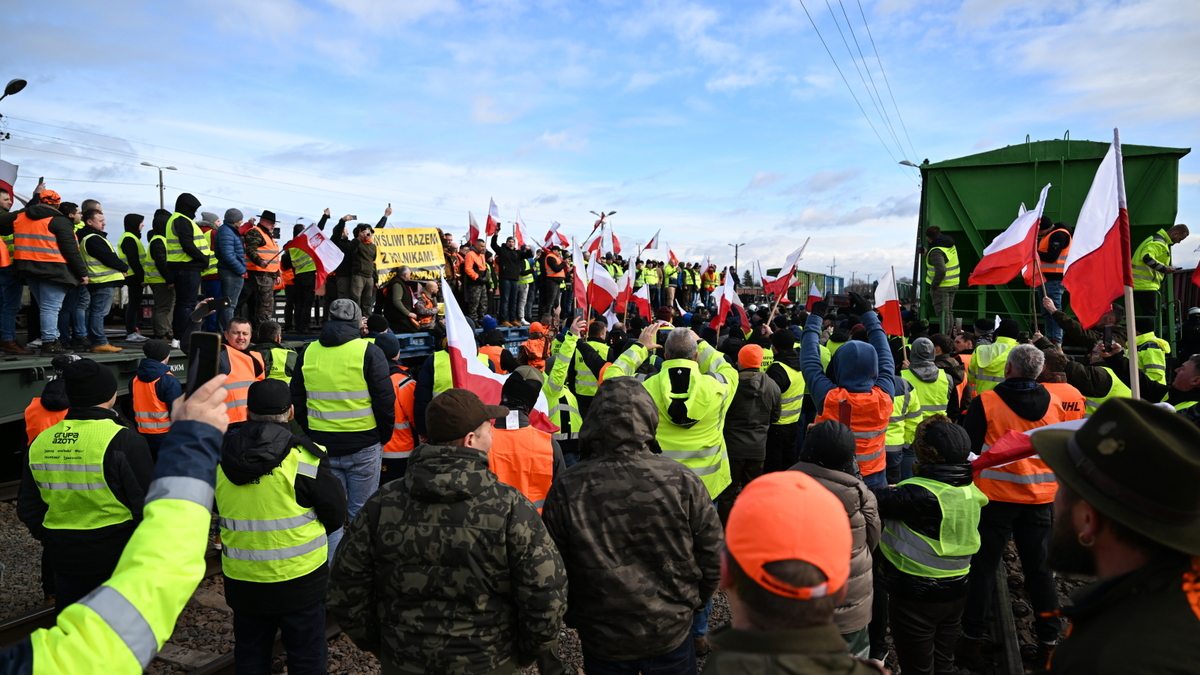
1194	310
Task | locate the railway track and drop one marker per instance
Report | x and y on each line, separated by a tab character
9	489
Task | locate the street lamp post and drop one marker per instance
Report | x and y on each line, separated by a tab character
161	205
13	86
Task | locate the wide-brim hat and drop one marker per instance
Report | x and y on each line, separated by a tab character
1136	463
267	215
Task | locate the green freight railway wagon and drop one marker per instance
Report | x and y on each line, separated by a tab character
974	198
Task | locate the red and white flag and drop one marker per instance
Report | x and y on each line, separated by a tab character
777	284
1013	252
814	296
595	241
653	243
472	230
579	274
728	300
8	176
554	237
887	301
493	221
624	289
602	291
671	255
468	372
641	300
1098	266
522	235
320	248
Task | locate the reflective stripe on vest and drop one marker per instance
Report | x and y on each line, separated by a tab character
905	408
586	383
950	280
524	459
337	399
268	253
141	250
33	240
1026	481
699	443
1118	390
301	261
793	399
67	463
126	620
1152	357
211	270
267	537
869	415
934	397
237	386
1146	278
149	412
98	272
1060	262
401	443
948	555
175	252
149	267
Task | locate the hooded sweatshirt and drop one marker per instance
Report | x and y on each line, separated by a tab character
755	407
185	230
133	221
448	556
157	248
857	367
168	388
255	450
639	536
379	385
1025	397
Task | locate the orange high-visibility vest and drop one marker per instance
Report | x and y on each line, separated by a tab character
962	386
493	354
869	414
401	445
1060	262
550	270
33	240
38	419
1026	481
287	278
150	412
241	376
1073	402
535	353
429	304
269	252
524	459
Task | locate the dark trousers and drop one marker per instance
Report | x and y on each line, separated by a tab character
1029	526
70	588
303	635
508	300
187	287
210	288
679	661
133	308
1147	303
781	447
305	290
924	634
742	472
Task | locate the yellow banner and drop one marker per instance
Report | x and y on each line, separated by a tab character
420	248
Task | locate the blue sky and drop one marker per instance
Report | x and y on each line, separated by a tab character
717	122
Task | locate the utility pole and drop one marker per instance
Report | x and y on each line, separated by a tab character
735	254
833	266
852	273
160	180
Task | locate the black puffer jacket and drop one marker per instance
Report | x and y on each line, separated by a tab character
919	509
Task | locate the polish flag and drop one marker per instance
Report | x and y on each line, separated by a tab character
671	255
602	291
814	296
580	283
888	303
728	300
554	237
593	242
468	372
472	229
8	176
653	243
1098	266
493	221
320	248
624	289
522	235
1013	251
641	300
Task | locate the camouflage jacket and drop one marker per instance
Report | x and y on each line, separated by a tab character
448	570
638	532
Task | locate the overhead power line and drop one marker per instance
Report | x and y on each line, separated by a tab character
882	106
886	82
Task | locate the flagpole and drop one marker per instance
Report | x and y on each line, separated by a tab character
1135	385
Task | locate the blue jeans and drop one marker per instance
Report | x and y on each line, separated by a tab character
10	303
700	621
187	286
679	661
100	303
508	300
67	315
1055	290
877	479
231	287
50	295
359	473
906	463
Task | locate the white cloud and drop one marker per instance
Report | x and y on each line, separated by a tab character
485	111
824	181
764	179
1189	179
382	14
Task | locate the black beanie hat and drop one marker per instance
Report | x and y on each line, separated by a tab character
783	341
269	397
377	323
1009	329
89	383
156	350
389	344
132	221
830	444
940	441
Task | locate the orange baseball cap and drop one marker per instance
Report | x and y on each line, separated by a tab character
50	197
787	515
536	327
750	357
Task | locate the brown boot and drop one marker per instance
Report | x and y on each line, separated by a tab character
106	349
11	347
